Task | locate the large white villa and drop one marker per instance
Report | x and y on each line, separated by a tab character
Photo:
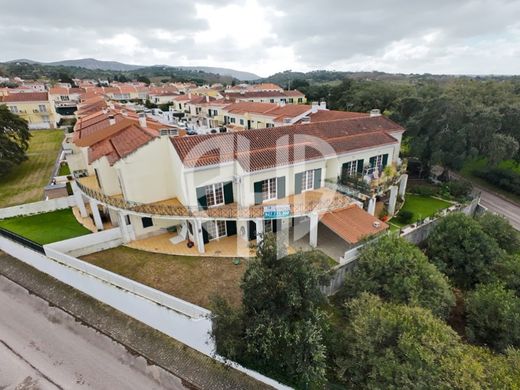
217	193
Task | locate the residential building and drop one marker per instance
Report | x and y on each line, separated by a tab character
34	107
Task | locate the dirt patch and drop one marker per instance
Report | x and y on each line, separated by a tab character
194	279
457	318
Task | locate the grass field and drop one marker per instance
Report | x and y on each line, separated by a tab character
25	183
47	227
64	170
194	279
421	207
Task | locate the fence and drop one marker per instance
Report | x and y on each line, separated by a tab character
90	243
43	206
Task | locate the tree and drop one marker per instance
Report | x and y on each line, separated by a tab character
281	324
14	140
501	147
507	271
397	271
143	79
391	346
498	227
65	78
493	316
462	250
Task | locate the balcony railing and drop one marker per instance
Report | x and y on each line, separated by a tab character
318	201
368	185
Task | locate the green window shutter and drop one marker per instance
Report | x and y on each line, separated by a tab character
205	235
231	228
385	160
252	230
360	165
298	183
280	187
258	192
228	192
201	198
372	162
317	178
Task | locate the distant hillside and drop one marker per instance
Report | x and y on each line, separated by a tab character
93	64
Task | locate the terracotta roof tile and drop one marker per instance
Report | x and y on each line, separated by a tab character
26	97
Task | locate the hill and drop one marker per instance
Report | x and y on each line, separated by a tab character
94	64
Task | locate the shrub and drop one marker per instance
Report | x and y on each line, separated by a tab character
496	226
504	178
493	316
461	249
458	189
405	216
424	190
507	271
397	271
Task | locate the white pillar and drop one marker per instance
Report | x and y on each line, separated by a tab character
79	199
121	220
259	230
95	213
393	200
199	237
282	237
402	184
313	230
372	206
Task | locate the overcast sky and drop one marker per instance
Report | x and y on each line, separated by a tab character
267	36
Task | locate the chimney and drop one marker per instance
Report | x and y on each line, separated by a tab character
323	105
282	103
124	112
142	119
314	107
189	95
111	120
375	112
207	99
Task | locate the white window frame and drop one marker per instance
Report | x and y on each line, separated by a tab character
211	193
308	180
269	189
13	109
352	170
42	108
216	229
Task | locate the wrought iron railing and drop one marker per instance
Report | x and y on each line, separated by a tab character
373	186
328	202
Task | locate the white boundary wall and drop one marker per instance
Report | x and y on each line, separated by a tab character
89	243
43	206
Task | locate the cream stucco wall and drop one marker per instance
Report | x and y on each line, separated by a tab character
107	176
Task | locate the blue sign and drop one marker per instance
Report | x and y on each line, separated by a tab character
277	211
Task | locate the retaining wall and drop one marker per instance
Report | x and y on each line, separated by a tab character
43	206
90	243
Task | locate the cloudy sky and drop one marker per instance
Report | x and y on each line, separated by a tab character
266	36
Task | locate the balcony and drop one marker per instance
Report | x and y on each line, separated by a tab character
315	201
371	182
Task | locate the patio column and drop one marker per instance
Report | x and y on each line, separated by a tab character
96	214
402	185
199	237
121	220
79	199
259	230
372	206
313	230
393	200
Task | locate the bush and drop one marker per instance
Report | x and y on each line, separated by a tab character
399	272
405	216
496	226
459	189
504	178
389	346
462	250
424	190
507	271
493	316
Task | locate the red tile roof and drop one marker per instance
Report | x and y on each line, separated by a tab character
26	97
331	115
279	146
353	224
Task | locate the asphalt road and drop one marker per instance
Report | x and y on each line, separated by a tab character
42	347
501	206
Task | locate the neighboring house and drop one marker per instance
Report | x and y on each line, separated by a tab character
65	99
34	107
289	97
244	184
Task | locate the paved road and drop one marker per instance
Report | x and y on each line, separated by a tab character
42	347
501	206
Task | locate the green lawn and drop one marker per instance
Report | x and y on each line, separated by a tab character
64	169
421	207
47	227
25	183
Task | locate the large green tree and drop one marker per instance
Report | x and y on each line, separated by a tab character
390	346
280	328
493	316
498	227
14	140
462	250
399	272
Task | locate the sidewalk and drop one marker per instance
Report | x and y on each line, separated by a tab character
196	370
